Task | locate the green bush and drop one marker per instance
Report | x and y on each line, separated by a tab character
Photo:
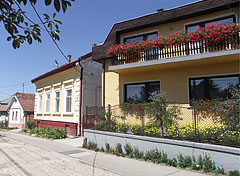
30	124
53	133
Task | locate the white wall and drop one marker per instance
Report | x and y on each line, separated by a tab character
19	120
92	81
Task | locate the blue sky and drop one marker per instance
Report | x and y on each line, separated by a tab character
85	23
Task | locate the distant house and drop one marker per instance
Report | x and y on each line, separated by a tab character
64	92
21	109
4	111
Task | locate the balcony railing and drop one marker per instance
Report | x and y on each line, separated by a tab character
178	50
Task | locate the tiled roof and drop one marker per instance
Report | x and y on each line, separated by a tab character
26	100
61	68
3	107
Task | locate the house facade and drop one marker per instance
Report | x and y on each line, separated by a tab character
184	71
20	110
4	111
62	94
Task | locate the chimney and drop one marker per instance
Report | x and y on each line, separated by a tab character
69	58
94	45
159	10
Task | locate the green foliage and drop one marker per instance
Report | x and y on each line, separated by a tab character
129	150
21	27
137	153
92	146
122	127
159	112
108	148
234	173
226	112
53	133
30	124
172	162
136	129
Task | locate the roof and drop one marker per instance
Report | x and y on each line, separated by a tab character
6	101
162	17
61	68
3	107
26	100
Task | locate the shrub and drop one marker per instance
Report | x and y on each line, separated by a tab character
92	146
129	150
122	127
30	124
53	133
234	173
136	129
137	154
158	110
108	148
172	162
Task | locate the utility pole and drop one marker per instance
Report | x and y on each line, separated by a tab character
23	87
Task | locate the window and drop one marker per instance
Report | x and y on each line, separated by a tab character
68	104
225	20
140	38
57	101
47	102
13	115
212	87
139	92
16	116
40	102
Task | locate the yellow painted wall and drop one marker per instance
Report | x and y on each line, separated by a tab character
70	74
173	80
165	29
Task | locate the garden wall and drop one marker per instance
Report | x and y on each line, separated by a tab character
222	155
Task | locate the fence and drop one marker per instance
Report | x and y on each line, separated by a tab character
192	123
178	50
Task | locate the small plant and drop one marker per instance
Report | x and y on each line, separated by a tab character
30	124
208	165
164	158
234	173
184	161
220	169
129	150
108	148
119	151
101	149
92	146
172	162
137	154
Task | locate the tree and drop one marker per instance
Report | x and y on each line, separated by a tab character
22	28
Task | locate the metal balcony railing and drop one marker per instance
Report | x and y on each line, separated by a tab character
178	50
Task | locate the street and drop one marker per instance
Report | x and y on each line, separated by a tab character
19	158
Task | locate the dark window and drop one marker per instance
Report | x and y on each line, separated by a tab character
212	87
140	92
225	20
140	38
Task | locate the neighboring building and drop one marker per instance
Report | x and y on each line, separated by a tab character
21	109
58	94
4	111
184	71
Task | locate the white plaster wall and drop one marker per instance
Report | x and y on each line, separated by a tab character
16	107
92	81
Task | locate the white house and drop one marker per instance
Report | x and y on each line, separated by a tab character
21	109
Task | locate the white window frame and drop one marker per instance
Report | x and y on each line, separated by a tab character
65	99
46	99
40	107
55	103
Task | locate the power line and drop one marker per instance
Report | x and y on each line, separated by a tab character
14	85
35	10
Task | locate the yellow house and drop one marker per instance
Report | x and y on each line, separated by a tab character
185	71
63	93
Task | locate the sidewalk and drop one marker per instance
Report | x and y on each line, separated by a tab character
120	165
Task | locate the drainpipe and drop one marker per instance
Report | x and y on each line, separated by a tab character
103	91
80	99
96	94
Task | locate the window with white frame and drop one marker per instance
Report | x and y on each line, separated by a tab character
39	102
47	102
56	100
68	99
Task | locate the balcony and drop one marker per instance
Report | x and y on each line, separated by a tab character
179	50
